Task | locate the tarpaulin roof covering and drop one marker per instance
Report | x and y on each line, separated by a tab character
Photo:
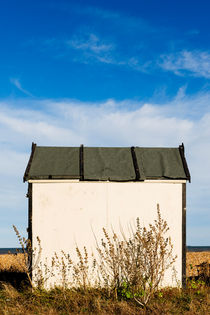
106	163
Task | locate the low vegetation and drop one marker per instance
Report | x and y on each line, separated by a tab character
193	300
12	263
124	278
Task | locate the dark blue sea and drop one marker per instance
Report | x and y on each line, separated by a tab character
198	248
9	250
189	249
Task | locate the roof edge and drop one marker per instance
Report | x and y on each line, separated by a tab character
33	147
186	169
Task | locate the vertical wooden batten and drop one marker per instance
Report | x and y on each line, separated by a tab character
135	164
30	212
184	235
30	187
81	162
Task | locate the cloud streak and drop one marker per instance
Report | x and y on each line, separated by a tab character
195	63
92	48
92	44
17	84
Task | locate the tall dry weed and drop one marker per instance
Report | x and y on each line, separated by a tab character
31	256
135	266
131	268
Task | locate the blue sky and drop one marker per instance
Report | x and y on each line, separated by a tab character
104	73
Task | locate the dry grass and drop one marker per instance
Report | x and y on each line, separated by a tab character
57	301
15	262
193	300
194	259
12	262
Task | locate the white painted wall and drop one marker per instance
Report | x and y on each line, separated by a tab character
69	213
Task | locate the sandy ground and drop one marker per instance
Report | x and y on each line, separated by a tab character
11	262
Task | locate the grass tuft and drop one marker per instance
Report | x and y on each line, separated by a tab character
94	301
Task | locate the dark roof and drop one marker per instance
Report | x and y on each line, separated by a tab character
106	163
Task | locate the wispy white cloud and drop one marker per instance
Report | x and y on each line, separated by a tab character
17	84
195	63
92	44
92	47
108	123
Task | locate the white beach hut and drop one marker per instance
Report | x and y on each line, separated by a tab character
75	191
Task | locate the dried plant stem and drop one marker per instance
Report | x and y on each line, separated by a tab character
131	268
